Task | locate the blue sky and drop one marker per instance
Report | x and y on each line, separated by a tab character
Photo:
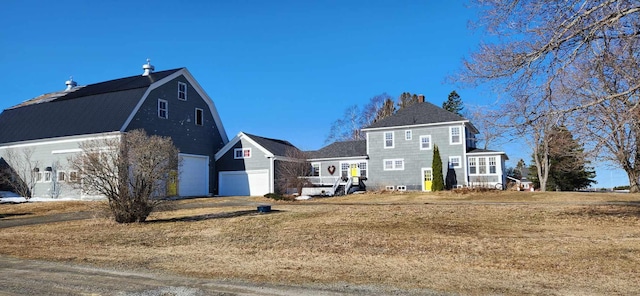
280	69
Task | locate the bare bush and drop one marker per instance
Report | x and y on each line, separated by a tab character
131	171
292	170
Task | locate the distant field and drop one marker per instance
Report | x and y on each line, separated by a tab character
490	243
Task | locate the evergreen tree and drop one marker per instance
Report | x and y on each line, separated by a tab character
568	170
436	165
453	103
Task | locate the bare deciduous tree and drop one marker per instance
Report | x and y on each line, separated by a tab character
291	172
578	59
354	119
20	173
131	171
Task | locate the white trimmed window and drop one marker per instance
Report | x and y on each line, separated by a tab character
388	140
199	116
402	188
482	165
492	165
62	176
315	169
455	136
163	109
454	162
408	135
473	167
47	176
344	169
241	153
73	176
393	164
38	176
425	142
182	91
363	169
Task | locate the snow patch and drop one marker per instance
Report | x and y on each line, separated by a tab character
303	197
10	197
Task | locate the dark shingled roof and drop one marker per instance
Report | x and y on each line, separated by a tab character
340	149
275	146
95	108
419	113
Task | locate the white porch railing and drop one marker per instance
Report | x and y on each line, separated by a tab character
322	181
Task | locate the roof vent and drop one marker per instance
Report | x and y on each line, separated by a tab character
70	84
148	68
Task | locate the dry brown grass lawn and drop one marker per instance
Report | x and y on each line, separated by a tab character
490	243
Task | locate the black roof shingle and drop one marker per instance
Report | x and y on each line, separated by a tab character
275	146
419	113
94	108
340	149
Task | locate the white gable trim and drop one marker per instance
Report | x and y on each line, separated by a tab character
196	86
59	140
237	139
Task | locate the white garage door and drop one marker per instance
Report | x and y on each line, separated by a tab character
244	183
194	175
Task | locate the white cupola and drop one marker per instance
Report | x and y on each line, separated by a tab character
148	68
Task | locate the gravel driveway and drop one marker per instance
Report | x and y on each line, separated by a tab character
32	277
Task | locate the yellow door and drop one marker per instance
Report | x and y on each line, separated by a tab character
172	184
354	172
428	179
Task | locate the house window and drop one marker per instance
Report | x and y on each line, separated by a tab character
38	176
163	109
454	162
47	176
73	176
241	153
198	116
402	188
482	165
62	176
315	169
455	135
363	169
425	142
472	166
388	140
393	164
344	169
492	165
182	91
408	135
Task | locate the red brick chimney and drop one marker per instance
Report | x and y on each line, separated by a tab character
420	98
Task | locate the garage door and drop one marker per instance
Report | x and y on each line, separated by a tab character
194	175
244	183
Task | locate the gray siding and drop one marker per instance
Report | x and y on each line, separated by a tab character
257	161
181	124
414	158
54	154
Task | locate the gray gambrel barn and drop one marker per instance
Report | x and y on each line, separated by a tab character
166	103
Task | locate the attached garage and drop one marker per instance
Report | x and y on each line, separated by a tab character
193	179
244	183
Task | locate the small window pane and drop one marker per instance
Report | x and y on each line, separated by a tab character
199	116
